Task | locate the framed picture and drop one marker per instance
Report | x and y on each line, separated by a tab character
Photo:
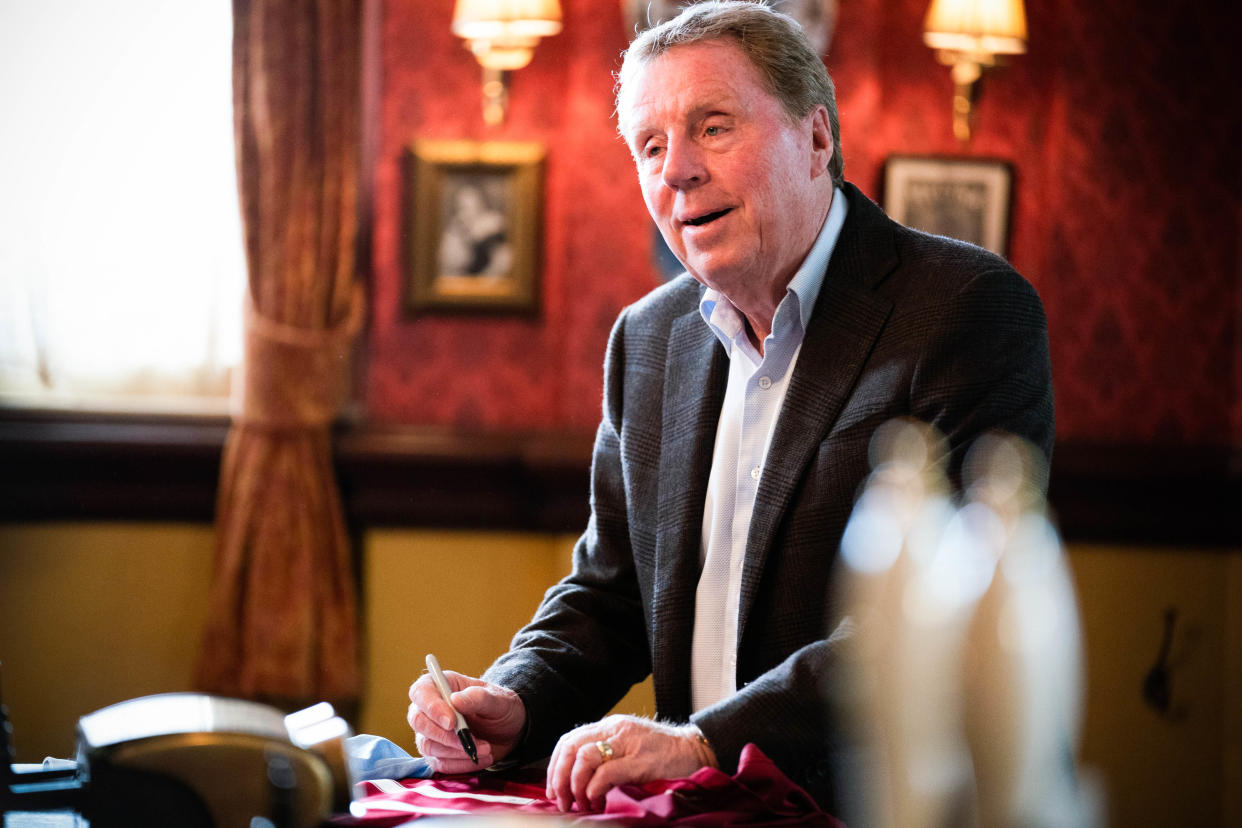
817	17
966	199
473	218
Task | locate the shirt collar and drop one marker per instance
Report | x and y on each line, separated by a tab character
725	319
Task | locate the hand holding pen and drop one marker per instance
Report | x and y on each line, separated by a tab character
459	724
466	712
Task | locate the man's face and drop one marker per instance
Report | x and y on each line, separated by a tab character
731	181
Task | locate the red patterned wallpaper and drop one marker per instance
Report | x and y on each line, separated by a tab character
1121	122
504	372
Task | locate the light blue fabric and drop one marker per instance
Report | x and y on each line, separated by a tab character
374	757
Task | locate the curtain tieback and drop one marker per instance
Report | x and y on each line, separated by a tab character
295	377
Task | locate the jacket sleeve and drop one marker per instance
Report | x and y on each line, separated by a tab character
986	366
587	643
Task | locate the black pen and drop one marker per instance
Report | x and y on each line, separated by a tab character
463	732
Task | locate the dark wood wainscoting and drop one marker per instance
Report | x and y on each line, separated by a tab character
66	467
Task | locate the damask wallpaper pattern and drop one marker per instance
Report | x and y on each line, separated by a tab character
1121	122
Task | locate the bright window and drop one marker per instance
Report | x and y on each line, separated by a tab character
121	265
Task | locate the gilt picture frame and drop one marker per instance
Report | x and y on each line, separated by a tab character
473	221
964	198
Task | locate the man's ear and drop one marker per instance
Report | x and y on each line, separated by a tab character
821	141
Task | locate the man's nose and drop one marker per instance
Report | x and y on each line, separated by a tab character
683	165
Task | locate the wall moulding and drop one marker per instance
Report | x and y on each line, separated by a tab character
60	466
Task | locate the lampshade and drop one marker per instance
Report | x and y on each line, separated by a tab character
503	35
992	27
511	24
504	55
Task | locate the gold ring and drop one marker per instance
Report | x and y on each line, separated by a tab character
605	751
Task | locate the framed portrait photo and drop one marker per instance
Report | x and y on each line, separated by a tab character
817	17
473	218
966	199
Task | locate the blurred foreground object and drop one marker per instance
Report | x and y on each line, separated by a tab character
966	687
191	760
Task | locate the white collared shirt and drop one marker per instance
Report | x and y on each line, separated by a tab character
753	398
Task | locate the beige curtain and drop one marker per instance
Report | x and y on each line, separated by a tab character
282	625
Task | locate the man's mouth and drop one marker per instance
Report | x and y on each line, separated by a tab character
699	221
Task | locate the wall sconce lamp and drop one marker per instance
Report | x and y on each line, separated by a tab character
503	35
968	35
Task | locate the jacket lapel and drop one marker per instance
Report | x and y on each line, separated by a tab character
848	318
694	383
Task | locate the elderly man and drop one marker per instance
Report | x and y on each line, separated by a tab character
739	401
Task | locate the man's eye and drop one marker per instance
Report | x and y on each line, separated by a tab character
653	150
713	131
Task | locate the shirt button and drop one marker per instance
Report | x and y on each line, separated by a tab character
754	473
765	383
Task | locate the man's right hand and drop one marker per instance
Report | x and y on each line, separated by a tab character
495	715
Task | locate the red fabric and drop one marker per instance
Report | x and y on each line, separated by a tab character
757	795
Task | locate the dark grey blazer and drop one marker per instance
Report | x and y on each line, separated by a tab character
905	324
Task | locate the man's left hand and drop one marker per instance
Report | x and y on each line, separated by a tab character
591	759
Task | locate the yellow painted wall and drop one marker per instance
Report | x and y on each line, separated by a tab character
1180	769
460	595
91	614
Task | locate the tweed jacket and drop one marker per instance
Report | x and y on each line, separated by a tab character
906	324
